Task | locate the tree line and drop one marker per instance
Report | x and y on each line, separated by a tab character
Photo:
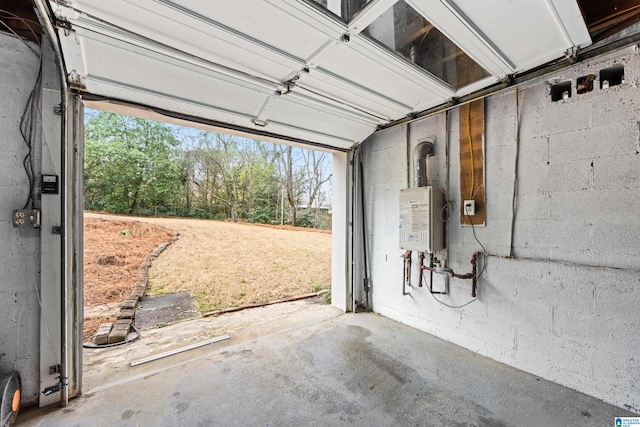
141	167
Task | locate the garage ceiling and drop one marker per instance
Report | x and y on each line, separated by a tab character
327	72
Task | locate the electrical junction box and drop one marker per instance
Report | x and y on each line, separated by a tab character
421	226
49	184
26	218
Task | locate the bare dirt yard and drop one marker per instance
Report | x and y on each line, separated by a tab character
222	264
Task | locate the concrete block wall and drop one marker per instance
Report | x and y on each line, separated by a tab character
566	307
19	247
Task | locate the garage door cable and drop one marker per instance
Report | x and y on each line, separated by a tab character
367	281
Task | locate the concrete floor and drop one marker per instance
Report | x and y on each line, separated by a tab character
304	364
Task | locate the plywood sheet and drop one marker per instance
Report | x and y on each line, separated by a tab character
472	159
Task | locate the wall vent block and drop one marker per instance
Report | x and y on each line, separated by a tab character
612	76
561	91
584	84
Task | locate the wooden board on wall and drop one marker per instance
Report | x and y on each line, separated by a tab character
472	185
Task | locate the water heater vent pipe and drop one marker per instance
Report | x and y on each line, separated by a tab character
420	153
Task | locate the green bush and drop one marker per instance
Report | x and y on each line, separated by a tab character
261	215
306	219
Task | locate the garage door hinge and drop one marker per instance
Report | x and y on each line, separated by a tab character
63	23
572	54
76	81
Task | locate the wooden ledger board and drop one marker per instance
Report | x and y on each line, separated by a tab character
472	185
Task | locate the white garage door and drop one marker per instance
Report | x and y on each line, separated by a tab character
328	72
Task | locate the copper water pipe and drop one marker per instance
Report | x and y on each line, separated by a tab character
465	276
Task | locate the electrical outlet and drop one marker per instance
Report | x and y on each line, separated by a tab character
18	218
26	218
470	207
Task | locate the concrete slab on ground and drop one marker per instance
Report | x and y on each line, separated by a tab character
102	367
166	309
312	365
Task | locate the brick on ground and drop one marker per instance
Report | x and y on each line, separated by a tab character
127	313
130	302
139	291
102	336
120	331
157	251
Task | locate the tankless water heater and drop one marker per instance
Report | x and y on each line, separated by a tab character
421	226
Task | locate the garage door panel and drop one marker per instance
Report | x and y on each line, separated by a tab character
512	24
282	30
571	18
365	98
156	74
324	138
352	64
317	118
178	32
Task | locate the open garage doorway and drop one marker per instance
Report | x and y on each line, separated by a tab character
185	223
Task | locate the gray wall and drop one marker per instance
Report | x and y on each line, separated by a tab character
20	247
570	313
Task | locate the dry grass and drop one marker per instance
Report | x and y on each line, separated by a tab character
225	264
222	264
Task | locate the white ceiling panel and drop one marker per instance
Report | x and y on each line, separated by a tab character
288	68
